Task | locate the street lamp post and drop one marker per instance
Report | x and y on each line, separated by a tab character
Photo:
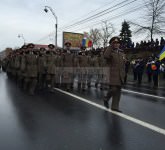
21	36
46	10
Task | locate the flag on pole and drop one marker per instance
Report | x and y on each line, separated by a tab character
83	42
90	43
86	43
162	54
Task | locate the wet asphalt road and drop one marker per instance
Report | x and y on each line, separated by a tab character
56	121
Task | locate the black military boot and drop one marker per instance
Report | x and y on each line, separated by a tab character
96	85
89	85
106	104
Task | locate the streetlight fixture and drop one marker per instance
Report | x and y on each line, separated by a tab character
46	10
21	36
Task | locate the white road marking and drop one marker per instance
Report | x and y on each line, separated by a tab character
137	121
149	95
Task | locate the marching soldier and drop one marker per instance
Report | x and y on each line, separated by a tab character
31	70
21	72
67	65
58	68
97	70
102	69
9	61
50	66
83	62
42	68
91	67
116	62
17	64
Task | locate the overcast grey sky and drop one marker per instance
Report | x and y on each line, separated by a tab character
27	17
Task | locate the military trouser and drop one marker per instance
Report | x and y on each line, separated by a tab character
66	80
99	77
114	92
82	79
21	78
41	80
50	79
30	84
58	78
89	76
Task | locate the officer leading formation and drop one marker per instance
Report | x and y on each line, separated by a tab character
116	63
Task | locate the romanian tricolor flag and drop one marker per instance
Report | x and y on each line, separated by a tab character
86	43
162	54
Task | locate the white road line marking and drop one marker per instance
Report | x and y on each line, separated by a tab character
149	95
137	121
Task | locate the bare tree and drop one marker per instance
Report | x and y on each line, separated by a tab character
106	32
95	36
154	19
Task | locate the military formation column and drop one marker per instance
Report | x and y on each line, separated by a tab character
41	69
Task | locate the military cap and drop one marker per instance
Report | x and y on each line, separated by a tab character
42	49
51	46
83	47
114	39
30	45
68	43
24	47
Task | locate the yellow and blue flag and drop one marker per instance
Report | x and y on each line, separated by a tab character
162	54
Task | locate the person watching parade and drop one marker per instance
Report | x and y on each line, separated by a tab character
116	62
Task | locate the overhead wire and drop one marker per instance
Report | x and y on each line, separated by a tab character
76	20
111	18
85	15
101	13
87	19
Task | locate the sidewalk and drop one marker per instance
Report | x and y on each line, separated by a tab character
145	83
